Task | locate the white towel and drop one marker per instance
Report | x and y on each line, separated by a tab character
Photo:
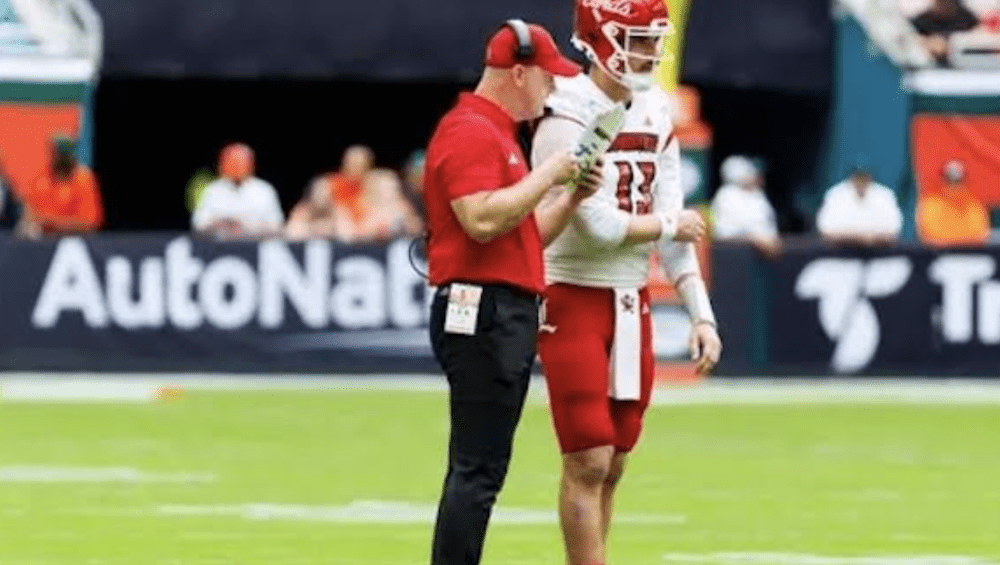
624	383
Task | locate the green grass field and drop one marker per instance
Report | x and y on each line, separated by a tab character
351	477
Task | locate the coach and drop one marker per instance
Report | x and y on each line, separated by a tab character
485	258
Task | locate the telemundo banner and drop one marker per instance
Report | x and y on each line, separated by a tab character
156	302
907	311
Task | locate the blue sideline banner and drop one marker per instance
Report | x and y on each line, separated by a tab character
165	302
906	311
168	302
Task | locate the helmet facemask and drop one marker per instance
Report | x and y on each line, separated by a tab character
626	41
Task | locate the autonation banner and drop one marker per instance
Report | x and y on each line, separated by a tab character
176	303
903	311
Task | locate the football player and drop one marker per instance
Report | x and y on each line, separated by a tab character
595	340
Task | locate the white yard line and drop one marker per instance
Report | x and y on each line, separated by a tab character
831	391
50	475
761	558
381	512
81	389
144	387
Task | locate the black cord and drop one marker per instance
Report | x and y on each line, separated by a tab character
413	246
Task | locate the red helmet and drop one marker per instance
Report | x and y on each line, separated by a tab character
607	30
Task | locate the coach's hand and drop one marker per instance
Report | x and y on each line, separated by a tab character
706	347
589	181
690	226
562	167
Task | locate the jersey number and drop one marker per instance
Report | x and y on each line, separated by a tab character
624	193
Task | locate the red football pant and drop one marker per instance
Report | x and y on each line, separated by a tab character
575	346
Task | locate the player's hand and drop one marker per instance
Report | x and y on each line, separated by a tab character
877	240
706	347
769	247
28	227
589	182
690	226
563	167
226	229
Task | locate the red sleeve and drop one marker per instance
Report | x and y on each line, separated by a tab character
471	160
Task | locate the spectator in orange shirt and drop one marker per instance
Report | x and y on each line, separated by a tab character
347	188
333	205
953	216
65	200
357	204
379	212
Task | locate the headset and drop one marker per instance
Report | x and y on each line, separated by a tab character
525	48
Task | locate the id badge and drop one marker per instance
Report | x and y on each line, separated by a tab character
463	309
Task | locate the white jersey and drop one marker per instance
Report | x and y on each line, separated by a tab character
845	213
641	176
738	212
254	204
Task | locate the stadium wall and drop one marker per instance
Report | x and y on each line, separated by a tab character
869	121
374	40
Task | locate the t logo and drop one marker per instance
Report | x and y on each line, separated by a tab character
843	287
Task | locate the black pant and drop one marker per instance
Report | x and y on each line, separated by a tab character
488	375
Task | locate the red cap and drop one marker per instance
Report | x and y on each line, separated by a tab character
502	52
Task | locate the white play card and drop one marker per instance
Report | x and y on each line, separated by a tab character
463	309
598	136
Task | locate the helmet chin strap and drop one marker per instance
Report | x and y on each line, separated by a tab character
636	82
639	82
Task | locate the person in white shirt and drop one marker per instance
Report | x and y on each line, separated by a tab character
860	211
740	209
238	204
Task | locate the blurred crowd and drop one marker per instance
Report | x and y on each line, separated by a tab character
356	203
359	203
856	212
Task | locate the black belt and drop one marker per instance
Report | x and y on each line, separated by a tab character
510	289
